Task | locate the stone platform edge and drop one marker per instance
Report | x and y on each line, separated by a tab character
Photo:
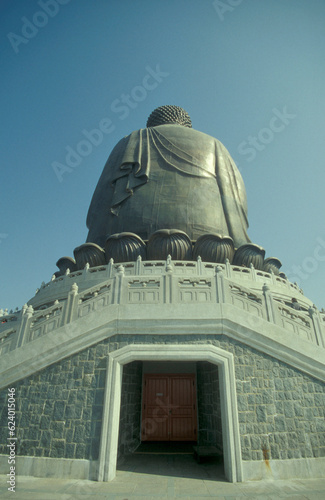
64	468
253	470
300	468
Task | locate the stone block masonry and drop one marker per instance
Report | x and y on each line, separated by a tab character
59	409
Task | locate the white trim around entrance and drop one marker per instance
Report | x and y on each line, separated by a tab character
189	352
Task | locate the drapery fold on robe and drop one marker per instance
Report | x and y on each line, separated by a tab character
134	168
188	151
232	192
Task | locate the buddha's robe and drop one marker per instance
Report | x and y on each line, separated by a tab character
169	177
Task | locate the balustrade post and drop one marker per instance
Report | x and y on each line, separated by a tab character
228	269
253	272
317	326
110	268
138	266
168	281
273	277
69	312
220	285
86	271
118	284
23	331
269	304
199	266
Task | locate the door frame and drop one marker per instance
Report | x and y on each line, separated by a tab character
189	352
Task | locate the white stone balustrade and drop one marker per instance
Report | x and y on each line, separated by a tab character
261	295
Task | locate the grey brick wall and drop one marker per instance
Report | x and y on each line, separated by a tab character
59	409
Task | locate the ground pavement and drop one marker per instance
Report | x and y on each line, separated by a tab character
164	477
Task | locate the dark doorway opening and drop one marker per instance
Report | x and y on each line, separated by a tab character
165	448
170	413
209	406
169	450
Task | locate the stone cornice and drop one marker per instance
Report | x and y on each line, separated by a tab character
165	319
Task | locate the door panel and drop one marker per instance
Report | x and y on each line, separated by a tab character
182	424
182	429
169	408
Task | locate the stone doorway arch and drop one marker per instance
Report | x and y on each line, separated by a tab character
188	352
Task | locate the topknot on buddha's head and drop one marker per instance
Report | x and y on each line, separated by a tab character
169	114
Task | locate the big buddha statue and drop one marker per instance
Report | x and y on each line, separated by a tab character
167	176
169	190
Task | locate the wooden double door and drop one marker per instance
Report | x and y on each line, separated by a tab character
169	407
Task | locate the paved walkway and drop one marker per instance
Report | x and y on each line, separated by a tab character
164	477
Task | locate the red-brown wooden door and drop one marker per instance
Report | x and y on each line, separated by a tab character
169	407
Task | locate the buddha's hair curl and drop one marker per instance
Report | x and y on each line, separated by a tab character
169	114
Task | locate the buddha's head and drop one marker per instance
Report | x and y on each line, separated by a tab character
169	114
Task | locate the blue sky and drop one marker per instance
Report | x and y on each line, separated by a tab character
250	73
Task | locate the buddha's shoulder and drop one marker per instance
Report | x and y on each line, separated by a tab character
175	134
171	130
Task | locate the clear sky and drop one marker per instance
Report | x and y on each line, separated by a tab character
249	72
